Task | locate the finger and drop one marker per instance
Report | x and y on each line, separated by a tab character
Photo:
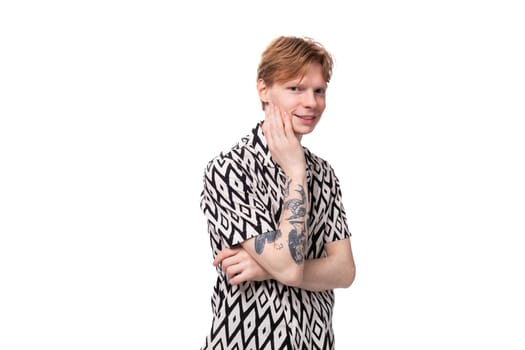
223	254
278	122
273	131
239	278
288	128
230	261
232	270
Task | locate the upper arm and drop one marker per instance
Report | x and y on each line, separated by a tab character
336	225
232	209
340	252
341	249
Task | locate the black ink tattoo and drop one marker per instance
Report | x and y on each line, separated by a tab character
296	237
296	245
296	206
268	237
287	188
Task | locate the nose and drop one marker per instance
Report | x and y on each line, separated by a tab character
309	99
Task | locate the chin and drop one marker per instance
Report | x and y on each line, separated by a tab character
305	132
303	129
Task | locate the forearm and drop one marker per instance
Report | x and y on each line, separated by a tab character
320	274
335	270
281	252
325	273
292	224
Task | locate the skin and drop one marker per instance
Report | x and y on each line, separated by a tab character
292	109
304	99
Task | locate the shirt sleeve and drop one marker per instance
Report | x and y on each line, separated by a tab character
336	227
231	207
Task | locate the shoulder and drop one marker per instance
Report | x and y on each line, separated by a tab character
226	161
322	172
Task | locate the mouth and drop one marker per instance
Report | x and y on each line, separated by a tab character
305	117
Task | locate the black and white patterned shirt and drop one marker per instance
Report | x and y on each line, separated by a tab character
242	198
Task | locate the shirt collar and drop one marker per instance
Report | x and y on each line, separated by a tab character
260	146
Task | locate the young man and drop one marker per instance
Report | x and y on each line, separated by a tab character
276	221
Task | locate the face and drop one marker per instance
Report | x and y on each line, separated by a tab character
303	98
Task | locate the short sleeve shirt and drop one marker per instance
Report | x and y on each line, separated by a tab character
242	198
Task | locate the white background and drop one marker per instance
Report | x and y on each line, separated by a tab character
111	109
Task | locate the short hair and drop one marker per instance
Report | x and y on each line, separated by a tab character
288	57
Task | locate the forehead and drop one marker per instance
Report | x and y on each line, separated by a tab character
312	74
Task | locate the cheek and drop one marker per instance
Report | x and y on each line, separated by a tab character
284	102
273	97
322	104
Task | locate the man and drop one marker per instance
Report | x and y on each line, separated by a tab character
277	225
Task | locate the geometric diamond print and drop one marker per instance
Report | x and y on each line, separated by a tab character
241	198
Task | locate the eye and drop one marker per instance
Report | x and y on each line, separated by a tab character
294	88
320	91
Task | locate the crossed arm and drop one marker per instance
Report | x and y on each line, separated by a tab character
335	270
280	254
275	254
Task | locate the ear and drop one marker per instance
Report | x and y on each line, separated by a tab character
262	89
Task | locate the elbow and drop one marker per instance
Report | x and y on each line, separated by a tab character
292	276
349	277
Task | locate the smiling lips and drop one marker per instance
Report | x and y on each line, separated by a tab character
305	117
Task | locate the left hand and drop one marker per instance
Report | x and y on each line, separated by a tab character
239	266
283	144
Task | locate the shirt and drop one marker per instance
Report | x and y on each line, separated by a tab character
242	198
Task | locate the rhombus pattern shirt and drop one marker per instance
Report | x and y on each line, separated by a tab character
242	198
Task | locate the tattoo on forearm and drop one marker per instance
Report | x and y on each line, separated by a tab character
297	206
296	245
296	237
267	237
287	188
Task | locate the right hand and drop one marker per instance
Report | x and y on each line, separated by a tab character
284	145
239	266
